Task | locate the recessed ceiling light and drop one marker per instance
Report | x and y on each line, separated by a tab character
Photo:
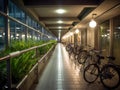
59	30
59	27
60	11
59	21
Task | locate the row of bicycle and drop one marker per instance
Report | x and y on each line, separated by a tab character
95	66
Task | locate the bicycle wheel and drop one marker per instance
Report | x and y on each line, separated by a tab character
90	73
82	57
110	76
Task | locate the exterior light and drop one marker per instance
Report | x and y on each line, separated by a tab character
11	36
23	35
17	34
0	35
17	27
3	33
60	11
76	31
93	23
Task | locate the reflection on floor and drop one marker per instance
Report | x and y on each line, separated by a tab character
62	74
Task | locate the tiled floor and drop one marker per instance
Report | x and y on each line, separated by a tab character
62	74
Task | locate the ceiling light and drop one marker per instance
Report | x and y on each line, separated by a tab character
59	30
76	31
92	23
59	27
71	33
60	11
59	21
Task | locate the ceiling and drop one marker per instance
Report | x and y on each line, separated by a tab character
77	12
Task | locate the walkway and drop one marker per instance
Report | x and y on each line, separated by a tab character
61	74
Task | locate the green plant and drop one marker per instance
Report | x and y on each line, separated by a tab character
3	75
21	65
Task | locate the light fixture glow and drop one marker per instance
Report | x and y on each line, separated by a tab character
59	30
71	33
60	21
92	23
60	11
0	35
23	35
17	34
3	33
76	31
59	27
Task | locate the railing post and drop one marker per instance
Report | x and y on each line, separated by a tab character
9	83
36	70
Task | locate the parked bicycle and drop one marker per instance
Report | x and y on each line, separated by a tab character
109	73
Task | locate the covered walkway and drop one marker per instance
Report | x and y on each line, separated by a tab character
62	74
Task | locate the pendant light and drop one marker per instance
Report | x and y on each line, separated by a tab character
93	23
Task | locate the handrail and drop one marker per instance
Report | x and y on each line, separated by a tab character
39	61
17	53
14	54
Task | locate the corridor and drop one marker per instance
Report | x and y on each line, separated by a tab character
61	74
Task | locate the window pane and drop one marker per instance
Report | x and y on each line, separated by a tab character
105	37
116	50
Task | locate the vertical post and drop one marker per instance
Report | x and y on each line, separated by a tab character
111	37
7	28
9	75
36	70
96	37
75	39
99	38
26	29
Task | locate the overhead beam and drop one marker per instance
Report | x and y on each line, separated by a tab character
56	18
61	2
57	25
58	29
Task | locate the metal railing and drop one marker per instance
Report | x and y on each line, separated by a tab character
15	54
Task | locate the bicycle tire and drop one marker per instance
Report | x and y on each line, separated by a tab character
110	75
93	71
82	57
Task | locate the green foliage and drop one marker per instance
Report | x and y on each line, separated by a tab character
2	74
22	64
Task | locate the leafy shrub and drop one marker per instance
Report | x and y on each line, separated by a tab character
21	65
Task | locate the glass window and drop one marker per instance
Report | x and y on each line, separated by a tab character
2	23
1	5
105	37
17	31
116	49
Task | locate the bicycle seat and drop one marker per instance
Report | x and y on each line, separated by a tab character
111	57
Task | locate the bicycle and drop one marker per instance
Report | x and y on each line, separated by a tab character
107	73
87	56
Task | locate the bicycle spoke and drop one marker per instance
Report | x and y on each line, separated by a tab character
110	77
91	73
